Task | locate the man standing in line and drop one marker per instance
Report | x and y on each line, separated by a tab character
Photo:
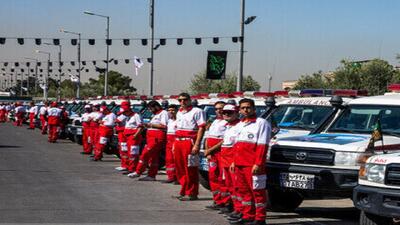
169	153
53	121
249	164
133	133
87	146
106	130
2	113
155	142
95	117
122	118
33	111
19	114
190	126
43	117
213	146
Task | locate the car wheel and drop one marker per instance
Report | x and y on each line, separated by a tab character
370	219
283	200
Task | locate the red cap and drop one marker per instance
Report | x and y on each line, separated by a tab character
54	104
125	106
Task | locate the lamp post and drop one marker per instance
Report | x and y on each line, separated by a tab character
151	47
59	70
36	70
48	74
78	86
241	40
108	51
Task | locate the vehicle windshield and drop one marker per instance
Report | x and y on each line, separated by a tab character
362	119
305	117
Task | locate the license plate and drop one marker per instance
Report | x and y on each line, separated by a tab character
79	131
297	180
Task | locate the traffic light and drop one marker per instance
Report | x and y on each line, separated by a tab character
216	64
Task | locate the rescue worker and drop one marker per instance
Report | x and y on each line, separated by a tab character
95	117
87	147
64	119
133	133
19	114
8	110
190	126
2	112
169	153
106	130
212	148
43	117
155	142
53	121
231	115
248	164
33	112
123	117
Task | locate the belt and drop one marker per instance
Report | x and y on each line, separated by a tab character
183	138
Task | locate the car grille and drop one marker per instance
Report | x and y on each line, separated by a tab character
393	174
302	155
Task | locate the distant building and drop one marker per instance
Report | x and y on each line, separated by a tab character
288	84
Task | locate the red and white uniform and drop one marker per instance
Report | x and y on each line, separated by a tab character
131	128
8	109
155	142
95	117
19	115
169	153
122	141
106	130
188	123
43	118
53	121
251	149
87	147
2	113
33	112
214	136
227	184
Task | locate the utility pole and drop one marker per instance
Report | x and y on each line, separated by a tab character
151	47
241	40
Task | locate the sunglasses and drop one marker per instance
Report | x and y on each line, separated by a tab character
182	99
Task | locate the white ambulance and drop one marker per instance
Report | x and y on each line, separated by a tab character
326	164
378	192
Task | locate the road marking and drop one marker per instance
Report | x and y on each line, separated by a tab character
309	221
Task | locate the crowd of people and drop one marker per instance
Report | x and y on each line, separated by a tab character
235	146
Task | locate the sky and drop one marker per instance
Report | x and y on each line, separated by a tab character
289	38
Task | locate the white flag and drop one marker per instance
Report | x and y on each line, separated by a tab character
42	86
138	64
74	78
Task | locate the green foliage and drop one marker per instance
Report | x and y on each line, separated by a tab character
373	75
199	84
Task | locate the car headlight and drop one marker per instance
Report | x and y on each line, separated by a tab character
374	173
351	158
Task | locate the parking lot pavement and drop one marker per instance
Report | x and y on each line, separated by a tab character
52	183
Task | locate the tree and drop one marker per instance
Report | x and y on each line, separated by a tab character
118	84
376	75
199	84
316	80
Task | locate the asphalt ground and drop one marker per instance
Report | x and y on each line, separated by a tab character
41	182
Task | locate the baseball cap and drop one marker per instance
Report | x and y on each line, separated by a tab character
230	107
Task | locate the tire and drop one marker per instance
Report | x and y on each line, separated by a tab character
370	219
283	201
78	139
203	179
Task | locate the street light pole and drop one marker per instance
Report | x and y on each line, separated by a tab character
45	90
108	51
79	61
241	40
59	71
151	47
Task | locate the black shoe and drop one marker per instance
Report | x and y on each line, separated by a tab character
226	209
167	181
126	172
258	222
189	198
94	159
179	197
85	153
214	206
241	221
176	183
234	216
